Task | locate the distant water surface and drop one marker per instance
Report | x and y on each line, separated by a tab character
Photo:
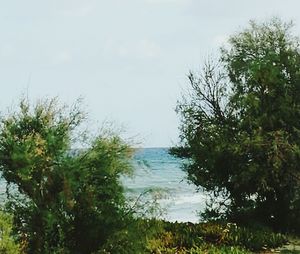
155	168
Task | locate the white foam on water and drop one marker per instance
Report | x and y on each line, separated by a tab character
180	199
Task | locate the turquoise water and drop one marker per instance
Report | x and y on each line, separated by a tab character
157	170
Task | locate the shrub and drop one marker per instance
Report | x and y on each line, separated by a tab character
7	241
213	236
254	239
62	200
211	249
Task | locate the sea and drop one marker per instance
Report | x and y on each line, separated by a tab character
159	181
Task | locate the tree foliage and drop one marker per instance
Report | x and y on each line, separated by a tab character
240	127
63	200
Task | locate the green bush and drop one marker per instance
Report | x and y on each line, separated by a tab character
211	249
213	236
135	238
254	239
62	200
7	242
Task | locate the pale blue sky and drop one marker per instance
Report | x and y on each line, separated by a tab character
127	58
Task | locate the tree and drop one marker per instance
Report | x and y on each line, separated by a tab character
240	127
63	200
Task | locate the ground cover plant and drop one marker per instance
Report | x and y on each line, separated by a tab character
213	237
8	244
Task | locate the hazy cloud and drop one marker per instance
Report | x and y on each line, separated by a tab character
168	1
143	48
148	49
78	11
7	50
220	40
62	57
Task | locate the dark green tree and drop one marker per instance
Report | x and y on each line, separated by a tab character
240	127
63	200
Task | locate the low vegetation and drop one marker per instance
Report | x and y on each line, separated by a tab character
157	237
8	243
213	238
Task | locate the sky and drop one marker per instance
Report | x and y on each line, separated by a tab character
128	59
